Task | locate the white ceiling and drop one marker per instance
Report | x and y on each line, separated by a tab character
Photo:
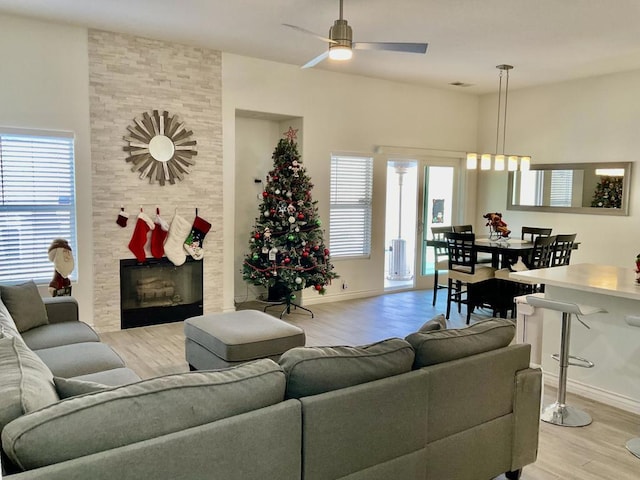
546	40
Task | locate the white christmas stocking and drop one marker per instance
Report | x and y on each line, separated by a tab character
173	247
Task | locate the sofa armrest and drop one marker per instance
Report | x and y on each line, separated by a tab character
526	411
61	309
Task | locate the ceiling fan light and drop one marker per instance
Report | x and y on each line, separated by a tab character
499	163
512	163
340	52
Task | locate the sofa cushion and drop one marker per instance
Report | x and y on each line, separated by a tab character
445	345
25	305
70	387
314	370
56	334
26	383
121	416
7	325
112	378
80	359
439	322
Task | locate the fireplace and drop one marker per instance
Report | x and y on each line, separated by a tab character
157	291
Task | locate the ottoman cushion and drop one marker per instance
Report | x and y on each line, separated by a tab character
243	335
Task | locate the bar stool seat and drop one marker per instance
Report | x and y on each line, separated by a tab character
559	413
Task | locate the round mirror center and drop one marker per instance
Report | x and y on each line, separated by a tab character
161	148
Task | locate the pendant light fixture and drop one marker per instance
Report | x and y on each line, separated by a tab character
500	160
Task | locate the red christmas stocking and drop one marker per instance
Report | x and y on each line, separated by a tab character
139	237
158	236
193	243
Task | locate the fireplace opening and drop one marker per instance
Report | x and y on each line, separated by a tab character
157	291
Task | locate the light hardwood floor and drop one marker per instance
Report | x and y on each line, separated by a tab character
588	453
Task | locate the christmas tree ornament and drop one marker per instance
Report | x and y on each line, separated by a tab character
139	238
173	246
122	218
298	280
291	238
194	242
301	216
265	194
158	235
266	213
292	219
277	192
297	229
256	256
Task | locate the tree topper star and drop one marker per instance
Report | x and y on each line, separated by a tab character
291	134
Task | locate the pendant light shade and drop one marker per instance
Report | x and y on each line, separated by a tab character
498	159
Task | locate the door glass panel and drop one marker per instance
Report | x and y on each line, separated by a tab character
438	207
401	223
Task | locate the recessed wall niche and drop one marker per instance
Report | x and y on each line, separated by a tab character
257	134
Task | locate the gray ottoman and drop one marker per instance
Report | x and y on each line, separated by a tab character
221	340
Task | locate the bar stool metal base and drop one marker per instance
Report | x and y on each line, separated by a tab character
565	416
633	446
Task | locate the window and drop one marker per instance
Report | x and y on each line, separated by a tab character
561	188
350	206
37	202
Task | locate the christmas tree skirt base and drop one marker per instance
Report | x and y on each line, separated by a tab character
278	293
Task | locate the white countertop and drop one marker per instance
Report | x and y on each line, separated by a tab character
587	277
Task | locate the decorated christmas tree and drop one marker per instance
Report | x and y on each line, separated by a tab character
287	250
608	193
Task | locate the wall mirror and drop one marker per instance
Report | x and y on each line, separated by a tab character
593	188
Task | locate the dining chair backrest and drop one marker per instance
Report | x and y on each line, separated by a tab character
562	249
531	233
437	233
462	252
463	228
542	252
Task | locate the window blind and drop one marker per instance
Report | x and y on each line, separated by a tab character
37	203
561	188
350	206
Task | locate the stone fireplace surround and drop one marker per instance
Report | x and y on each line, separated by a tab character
130	75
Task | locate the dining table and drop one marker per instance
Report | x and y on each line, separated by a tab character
504	251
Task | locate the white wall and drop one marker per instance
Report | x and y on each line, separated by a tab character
589	120
44	82
345	114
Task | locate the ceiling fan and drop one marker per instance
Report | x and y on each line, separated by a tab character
341	44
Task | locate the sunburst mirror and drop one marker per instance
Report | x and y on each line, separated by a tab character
160	147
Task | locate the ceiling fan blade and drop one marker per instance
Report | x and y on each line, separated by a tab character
317	60
393	47
309	32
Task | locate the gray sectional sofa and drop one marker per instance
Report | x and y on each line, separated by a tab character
441	405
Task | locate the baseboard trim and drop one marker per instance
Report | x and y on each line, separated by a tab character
317	299
597	394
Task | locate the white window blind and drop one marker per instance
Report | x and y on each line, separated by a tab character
561	188
350	206
37	203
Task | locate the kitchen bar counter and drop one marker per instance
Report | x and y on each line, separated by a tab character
588	277
611	343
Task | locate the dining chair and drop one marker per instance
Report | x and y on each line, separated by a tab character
482	257
562	249
463	228
466	277
509	288
531	233
441	258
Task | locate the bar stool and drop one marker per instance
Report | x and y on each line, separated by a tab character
559	413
